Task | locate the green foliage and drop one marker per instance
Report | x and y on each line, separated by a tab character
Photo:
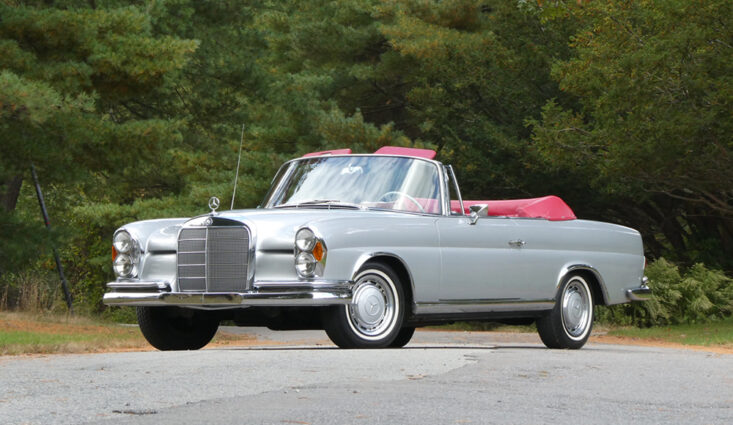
67	79
650	123
133	110
699	295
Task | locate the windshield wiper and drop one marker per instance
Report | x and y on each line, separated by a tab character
322	202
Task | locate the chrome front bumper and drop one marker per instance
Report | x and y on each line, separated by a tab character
642	293
285	294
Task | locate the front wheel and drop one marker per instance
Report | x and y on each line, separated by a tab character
173	328
403	337
569	323
374	318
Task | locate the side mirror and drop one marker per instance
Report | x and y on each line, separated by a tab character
478	210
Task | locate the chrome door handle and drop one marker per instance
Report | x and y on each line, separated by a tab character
517	243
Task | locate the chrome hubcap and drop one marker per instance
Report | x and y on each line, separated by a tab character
576	308
373	307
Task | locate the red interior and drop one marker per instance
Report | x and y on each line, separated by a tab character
396	150
430	206
549	207
331	152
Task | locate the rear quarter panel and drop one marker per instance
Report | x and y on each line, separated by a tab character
553	247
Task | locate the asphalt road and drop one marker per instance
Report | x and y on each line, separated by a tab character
439	378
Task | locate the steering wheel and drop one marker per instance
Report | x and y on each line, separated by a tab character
403	194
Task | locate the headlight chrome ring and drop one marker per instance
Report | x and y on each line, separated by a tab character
123	242
305	239
310	253
123	266
126	255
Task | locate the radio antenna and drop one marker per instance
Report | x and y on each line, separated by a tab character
236	175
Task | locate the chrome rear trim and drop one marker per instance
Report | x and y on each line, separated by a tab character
642	293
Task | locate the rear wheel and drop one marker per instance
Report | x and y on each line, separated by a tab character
374	318
173	328
569	323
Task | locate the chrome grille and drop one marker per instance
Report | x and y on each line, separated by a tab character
213	259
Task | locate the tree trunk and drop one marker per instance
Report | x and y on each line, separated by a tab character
9	198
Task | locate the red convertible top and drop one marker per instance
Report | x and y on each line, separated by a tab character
395	150
550	207
384	150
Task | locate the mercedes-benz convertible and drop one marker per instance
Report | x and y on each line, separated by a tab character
368	247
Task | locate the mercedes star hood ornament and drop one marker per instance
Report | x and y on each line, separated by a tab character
213	204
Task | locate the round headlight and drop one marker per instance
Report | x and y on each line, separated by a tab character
123	242
123	265
305	240
305	264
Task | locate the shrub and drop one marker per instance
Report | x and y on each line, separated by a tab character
700	295
32	291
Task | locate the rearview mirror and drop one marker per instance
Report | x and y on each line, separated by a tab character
478	210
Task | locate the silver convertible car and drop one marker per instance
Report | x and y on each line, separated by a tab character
369	247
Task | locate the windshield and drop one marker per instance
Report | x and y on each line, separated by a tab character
379	182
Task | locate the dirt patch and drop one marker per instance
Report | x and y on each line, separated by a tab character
19	325
83	335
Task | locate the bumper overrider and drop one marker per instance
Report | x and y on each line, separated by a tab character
642	293
298	293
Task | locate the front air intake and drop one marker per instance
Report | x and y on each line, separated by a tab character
213	259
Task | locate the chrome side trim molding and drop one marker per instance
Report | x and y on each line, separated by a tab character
483	306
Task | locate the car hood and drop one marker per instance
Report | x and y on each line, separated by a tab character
272	229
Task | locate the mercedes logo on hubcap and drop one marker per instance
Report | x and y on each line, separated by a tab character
373	307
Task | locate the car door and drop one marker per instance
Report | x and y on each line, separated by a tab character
478	263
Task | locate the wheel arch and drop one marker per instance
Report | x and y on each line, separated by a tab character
399	266
591	275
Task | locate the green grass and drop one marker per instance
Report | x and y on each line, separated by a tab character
708	334
38	338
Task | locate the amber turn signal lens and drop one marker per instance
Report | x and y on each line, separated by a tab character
318	251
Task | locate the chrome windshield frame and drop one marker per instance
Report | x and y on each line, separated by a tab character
275	192
452	177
